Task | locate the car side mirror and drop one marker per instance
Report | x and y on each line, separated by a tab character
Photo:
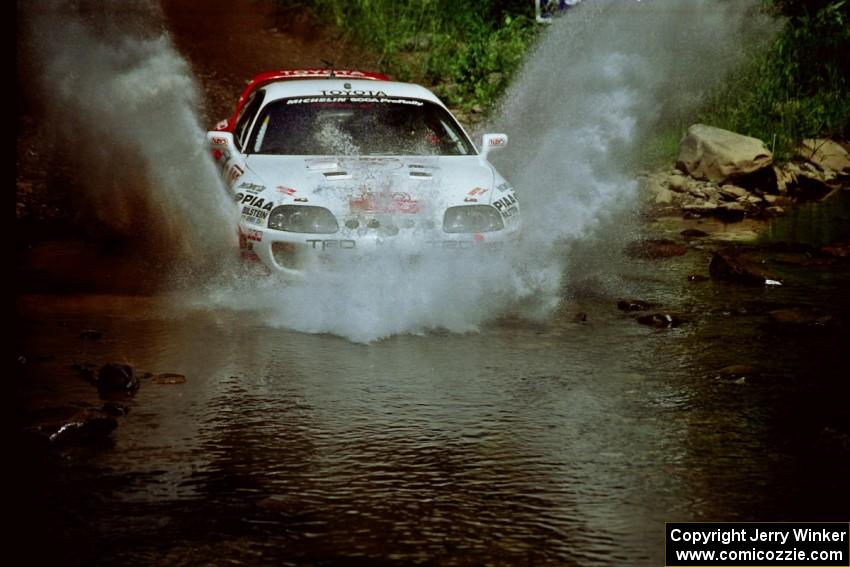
221	145
490	142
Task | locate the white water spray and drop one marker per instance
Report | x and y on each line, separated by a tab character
601	79
595	88
122	105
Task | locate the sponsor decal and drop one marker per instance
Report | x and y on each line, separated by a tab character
255	235
470	200
507	205
477	191
257	202
497	141
234	173
338	73
252	187
286	190
300	199
354	93
396	202
253	213
217	141
328	244
380	100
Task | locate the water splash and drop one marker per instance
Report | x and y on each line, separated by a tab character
601	79
122	106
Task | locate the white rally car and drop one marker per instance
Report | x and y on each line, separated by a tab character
338	162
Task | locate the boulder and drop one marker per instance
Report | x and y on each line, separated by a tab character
733	192
733	265
88	426
693	233
718	155
826	155
114	377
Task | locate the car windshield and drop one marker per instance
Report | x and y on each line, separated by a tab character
356	126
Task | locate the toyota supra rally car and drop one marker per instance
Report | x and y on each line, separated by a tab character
339	162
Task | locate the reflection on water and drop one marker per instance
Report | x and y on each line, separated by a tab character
564	443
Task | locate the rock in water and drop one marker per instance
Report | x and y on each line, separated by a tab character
732	265
114	377
718	155
632	305
659	320
825	154
655	249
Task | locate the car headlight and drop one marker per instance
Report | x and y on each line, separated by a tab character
472	218
303	218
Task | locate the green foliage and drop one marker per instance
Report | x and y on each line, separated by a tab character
800	87
467	51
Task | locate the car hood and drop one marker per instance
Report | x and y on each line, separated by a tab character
350	186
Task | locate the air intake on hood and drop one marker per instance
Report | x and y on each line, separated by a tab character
337	175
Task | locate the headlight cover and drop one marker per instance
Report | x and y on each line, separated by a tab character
472	218
303	218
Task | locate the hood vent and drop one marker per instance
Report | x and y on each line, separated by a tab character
337	175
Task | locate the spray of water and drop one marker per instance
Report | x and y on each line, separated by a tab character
601	78
122	106
600	81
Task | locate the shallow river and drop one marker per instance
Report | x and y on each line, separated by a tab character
567	442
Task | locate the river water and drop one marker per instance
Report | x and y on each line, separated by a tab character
567	442
564	440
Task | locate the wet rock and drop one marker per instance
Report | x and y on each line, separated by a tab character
117	378
733	192
836	249
826	155
660	320
169	378
633	305
91	335
693	233
663	196
87	426
677	183
810	188
731	212
699	208
773	212
654	249
733	265
115	409
85	369
801	317
805	182
718	155
697	278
